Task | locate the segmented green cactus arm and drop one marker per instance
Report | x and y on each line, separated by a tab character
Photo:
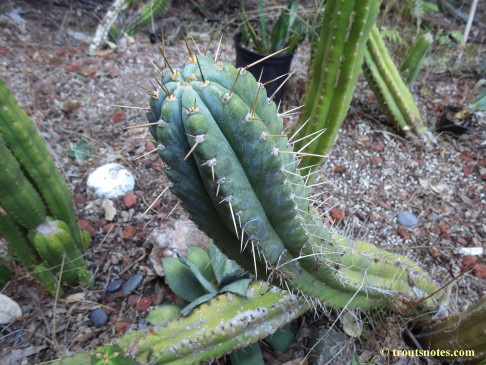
390	90
55	245
224	324
411	65
18	243
457	334
20	247
337	64
17	196
22	138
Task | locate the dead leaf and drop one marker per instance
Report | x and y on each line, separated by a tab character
110	210
351	326
18	355
76	297
9	310
87	336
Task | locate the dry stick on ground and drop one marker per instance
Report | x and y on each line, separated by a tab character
105	24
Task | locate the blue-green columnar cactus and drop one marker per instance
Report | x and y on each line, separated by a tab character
236	173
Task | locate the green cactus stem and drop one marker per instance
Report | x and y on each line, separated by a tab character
146	14
48	280
411	65
18	243
4	273
55	245
390	90
336	67
235	172
17	196
20	247
21	137
225	324
450	338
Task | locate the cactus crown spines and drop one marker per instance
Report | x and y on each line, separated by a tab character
212	119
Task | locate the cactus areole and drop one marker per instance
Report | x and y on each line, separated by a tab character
235	171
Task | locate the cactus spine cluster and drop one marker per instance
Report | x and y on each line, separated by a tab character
32	191
236	173
336	67
225	324
389	88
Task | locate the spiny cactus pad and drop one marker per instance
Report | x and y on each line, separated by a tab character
234	170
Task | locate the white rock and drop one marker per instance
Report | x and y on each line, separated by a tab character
111	180
471	251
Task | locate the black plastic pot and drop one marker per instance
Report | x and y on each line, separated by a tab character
272	68
447	123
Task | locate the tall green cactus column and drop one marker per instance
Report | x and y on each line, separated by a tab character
389	88
31	190
410	67
22	138
337	65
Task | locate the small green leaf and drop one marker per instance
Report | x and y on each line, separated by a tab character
239	287
252	32
292	12
251	355
200	258
263	25
479	103
281	339
201	300
164	313
182	280
209	287
226	270
279	33
80	150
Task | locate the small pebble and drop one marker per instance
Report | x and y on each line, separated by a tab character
98	317
16	337
132	284
114	285
407	219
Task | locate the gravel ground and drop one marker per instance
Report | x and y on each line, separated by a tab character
371	175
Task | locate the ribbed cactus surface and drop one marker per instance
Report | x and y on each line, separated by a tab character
31	190
461	337
21	137
336	66
236	173
410	67
389	88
